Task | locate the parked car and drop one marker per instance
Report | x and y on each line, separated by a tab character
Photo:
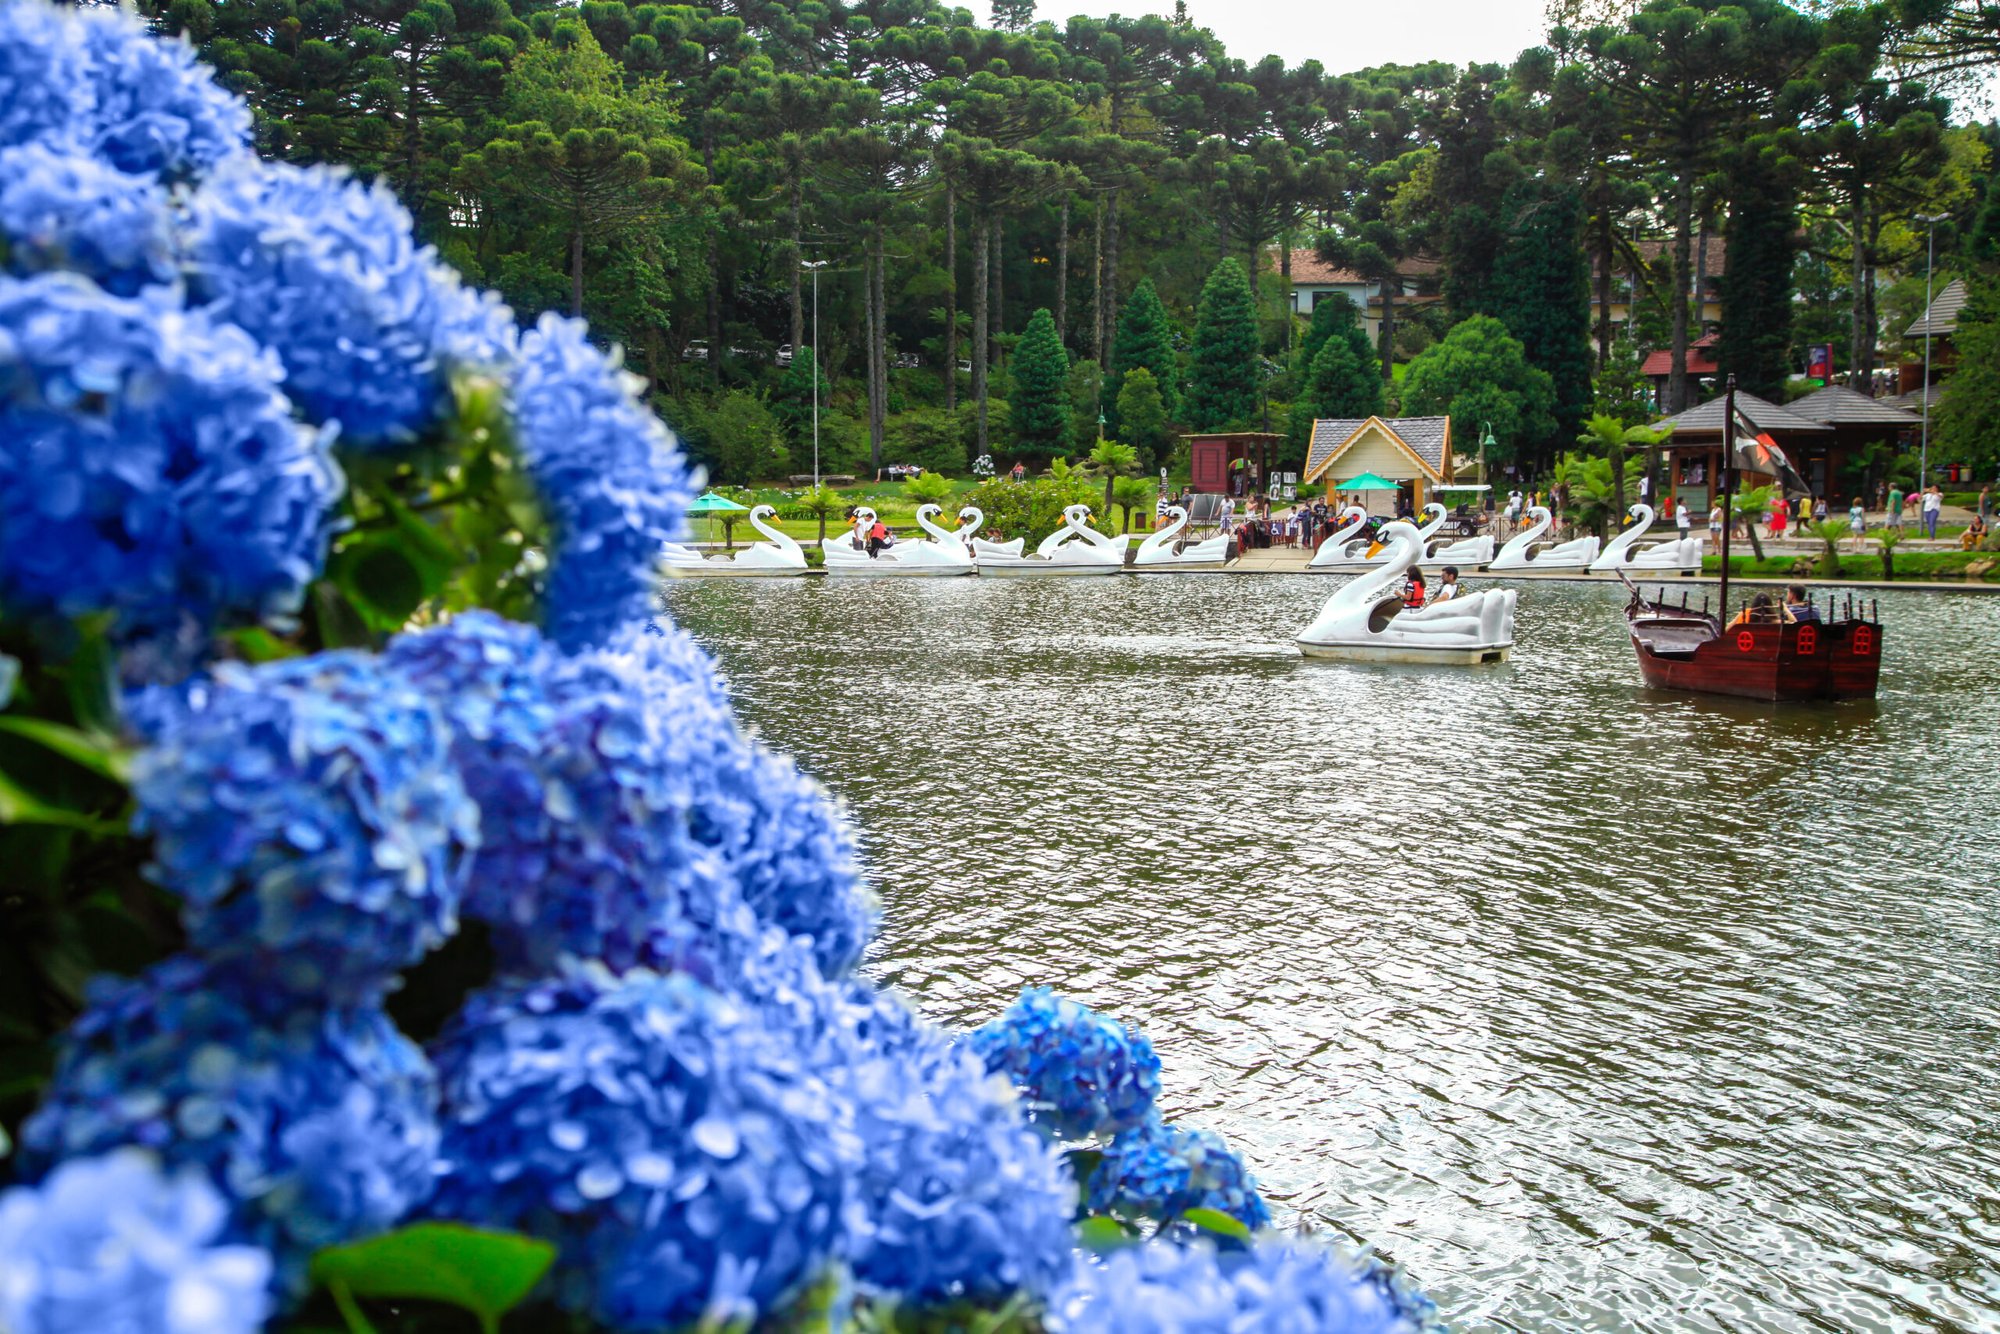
965	367
907	361
696	350
751	352
783	356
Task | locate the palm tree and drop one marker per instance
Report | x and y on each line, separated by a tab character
1111	460
1831	532
1131	493
1610	439
820	502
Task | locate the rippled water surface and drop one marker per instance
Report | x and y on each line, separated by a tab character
1595	1008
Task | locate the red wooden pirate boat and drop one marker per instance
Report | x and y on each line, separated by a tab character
1837	656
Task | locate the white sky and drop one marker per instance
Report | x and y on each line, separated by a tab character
1346	35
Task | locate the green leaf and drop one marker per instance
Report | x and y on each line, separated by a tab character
19	806
1214	1220
90	679
100	757
381	581
1101	1234
487	1273
257	644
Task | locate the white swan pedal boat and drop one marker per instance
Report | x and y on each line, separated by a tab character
1163	553
1622	553
1522	552
1366	621
1338	553
942	556
1073	549
778	557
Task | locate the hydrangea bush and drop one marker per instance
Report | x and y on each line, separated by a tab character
434	897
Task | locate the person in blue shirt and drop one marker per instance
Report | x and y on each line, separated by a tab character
1799	605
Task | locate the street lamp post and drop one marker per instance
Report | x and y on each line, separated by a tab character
815	265
1930	269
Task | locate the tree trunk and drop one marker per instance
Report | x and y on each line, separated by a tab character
995	235
798	273
1701	280
981	295
1391	289
413	135
1285	285
1677	368
878	342
872	362
1604	285
576	271
1111	273
713	259
1099	343
1860	337
1062	275
1870	321
950	297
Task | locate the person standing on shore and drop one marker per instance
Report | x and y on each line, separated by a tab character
1933	509
1683	518
1715	524
1857	522
1894	508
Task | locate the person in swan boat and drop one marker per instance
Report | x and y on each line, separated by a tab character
1447	588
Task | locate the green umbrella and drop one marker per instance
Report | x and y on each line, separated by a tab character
711	504
1368	481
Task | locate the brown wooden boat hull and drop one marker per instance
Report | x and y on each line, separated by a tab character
1773	662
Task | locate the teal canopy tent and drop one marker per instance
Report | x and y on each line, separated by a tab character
1367	481
711	504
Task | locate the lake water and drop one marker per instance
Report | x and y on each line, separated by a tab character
1595	1008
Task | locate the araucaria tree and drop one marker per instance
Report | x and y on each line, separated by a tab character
1040	404
1222	382
1145	340
1540	289
1142	418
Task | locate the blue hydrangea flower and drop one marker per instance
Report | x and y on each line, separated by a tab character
1279	1284
62	210
149	465
622	812
960	1197
612	478
155	108
326	271
309	815
318	1125
776	832
1084	1074
44	86
683	1156
1161	1171
112	1243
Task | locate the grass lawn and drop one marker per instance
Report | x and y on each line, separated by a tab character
1912	565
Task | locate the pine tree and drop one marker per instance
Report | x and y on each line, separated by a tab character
1332	313
1142	416
1341	380
1145	338
1041	388
1222	383
1967	421
1757	315
1541	292
1479	373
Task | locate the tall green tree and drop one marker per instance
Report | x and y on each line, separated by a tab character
1968	410
1690	79
1041	388
1540	289
1142	415
1222	379
1480	373
1145	341
598	155
1757	287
